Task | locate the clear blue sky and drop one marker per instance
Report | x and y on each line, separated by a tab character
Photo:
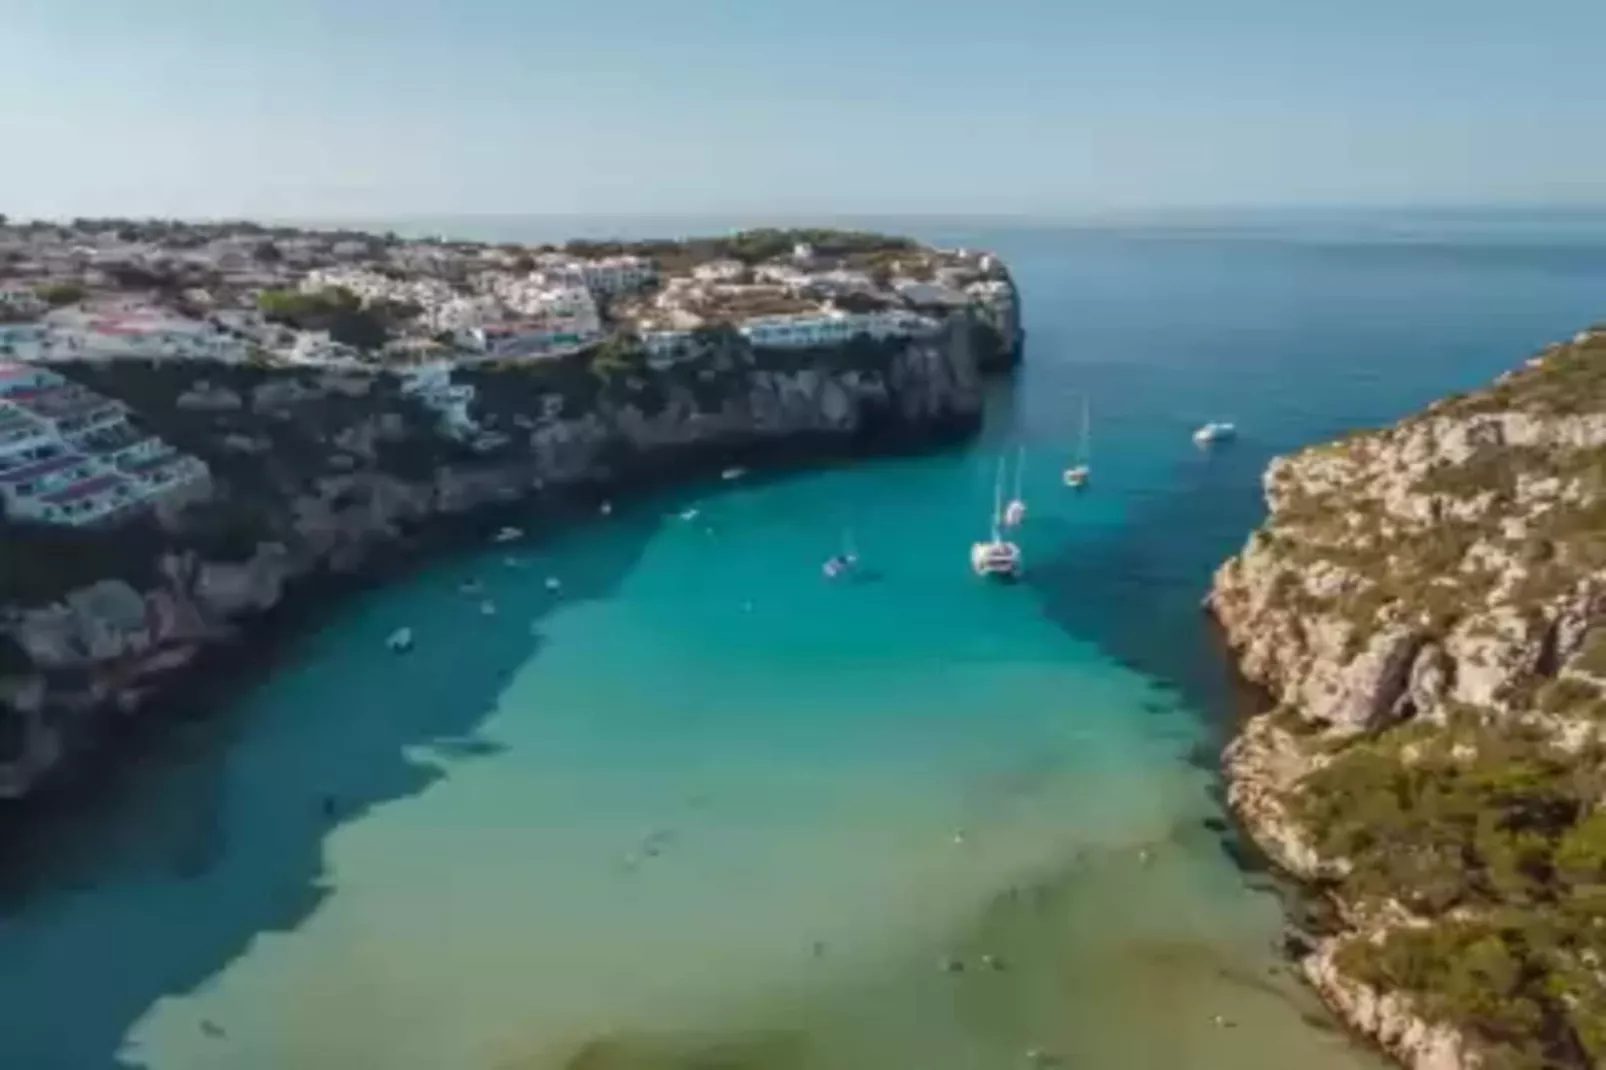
371	108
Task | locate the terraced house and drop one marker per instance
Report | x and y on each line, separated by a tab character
70	456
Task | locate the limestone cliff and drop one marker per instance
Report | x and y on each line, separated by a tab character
1426	606
315	471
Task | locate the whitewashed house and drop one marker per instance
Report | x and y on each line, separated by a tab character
70	456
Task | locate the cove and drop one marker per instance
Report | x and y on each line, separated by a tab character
702	808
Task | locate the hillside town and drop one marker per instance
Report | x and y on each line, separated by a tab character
93	291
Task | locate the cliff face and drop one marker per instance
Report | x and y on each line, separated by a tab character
1427	606
314	471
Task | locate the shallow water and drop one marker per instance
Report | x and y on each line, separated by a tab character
702	808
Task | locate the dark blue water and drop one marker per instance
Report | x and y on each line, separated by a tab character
844	780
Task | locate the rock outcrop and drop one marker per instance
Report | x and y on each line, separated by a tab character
315	473
1426	607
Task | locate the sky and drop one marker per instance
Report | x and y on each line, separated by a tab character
375	109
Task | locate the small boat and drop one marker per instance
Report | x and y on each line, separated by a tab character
1215	432
689	514
470	586
1015	511
508	534
487	608
996	557
732	473
606	508
844	561
401	640
553	583
1077	475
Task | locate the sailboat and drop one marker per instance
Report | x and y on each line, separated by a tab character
1015	511
844	561
996	557
1077	475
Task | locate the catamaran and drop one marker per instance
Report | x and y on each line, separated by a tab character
1015	511
1077	475
996	557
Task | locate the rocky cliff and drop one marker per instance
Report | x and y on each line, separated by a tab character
1425	606
318	472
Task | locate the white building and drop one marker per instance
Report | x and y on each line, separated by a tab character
69	456
531	339
432	385
316	347
20	303
831	327
719	271
666	347
605	277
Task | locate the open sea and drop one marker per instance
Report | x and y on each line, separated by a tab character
704	809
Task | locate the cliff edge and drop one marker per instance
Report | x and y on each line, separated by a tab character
313	472
1425	605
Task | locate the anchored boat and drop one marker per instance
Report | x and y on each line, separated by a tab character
1077	475
997	557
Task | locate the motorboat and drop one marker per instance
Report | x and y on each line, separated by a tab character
1212	433
400	640
606	508
487	608
508	534
732	473
554	584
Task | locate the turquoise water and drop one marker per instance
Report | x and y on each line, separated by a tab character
703	805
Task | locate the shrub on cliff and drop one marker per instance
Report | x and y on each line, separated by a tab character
1499	839
334	309
57	294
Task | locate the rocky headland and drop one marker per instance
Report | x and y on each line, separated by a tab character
1425	608
319	473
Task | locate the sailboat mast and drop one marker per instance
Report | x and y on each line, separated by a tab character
1020	466
998	498
1084	456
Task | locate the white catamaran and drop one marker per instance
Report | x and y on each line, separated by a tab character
1077	475
996	557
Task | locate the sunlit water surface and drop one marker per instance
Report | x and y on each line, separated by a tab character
703	808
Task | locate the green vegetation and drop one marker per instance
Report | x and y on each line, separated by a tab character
39	563
1500	839
57	294
1570	380
1483	828
337	311
748	246
296	443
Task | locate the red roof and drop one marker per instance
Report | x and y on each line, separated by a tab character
41	468
78	491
